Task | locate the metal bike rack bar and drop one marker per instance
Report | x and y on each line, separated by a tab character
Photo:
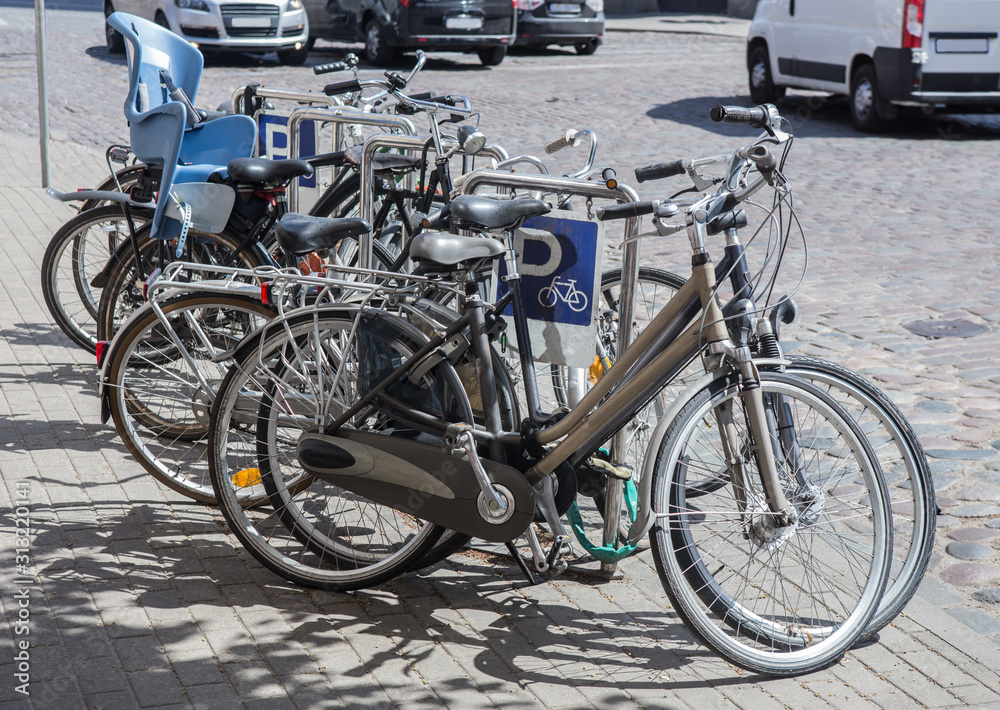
339	116
368	174
264	92
626	302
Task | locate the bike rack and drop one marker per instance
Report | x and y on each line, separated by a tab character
410	142
630	272
339	116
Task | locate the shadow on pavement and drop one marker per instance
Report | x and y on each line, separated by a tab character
828	117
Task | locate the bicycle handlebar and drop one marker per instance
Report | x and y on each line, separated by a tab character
347	87
572	137
627	209
756	117
659	171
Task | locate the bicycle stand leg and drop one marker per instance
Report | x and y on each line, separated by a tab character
532	579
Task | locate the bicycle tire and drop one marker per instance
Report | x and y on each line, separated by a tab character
905	471
78	250
122	293
771	599
293	537
126	178
158	405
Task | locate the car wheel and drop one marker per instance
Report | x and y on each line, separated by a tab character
869	111
492	56
586	48
377	52
762	88
161	20
113	38
296	57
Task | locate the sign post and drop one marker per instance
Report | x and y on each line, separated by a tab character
43	91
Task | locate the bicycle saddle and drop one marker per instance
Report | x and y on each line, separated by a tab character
262	171
452	251
497	214
384	162
300	234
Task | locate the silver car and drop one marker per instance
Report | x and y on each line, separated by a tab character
258	26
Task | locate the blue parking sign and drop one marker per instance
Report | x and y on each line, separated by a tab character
559	259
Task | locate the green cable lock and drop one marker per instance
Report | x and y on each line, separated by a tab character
605	553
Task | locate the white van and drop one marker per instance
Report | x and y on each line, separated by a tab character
937	54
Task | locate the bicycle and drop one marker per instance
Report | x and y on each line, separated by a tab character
376	385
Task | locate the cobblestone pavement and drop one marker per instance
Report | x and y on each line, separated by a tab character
143	598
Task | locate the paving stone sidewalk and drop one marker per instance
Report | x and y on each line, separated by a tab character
142	599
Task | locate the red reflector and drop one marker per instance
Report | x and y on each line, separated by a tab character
102	345
265	293
422	39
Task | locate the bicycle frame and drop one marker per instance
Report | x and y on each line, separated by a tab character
594	421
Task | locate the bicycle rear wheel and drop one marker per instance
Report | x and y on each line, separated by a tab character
123	292
904	469
159	399
77	252
777	600
297	376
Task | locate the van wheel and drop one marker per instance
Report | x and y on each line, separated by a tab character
869	111
161	20
587	47
762	88
113	38
492	56
377	52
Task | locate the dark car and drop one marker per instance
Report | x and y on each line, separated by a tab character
388	27
569	24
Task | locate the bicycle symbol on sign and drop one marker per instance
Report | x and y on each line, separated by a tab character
565	291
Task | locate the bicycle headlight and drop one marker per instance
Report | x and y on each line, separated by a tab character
199	5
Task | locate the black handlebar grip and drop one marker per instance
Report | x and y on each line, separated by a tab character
659	171
342	87
626	210
423	96
755	117
729	220
331	67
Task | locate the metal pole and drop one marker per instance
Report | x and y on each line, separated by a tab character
43	91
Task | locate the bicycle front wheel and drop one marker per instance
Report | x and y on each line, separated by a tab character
771	598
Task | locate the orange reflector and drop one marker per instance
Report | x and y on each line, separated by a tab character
246	477
596	369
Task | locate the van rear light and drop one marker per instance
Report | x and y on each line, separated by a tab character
913	24
404	3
